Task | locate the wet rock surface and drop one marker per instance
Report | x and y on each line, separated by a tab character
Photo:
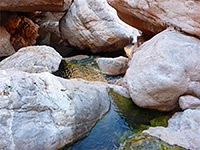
183	130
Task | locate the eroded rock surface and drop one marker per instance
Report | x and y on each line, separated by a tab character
6	48
94	25
163	69
33	59
22	30
183	130
152	16
41	111
33	5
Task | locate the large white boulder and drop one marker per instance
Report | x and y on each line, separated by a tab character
183	130
94	25
33	59
163	69
41	111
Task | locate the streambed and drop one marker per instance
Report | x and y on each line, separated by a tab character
124	120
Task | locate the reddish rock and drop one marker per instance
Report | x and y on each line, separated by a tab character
23	31
33	5
152	16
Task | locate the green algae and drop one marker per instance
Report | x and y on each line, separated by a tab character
86	69
146	142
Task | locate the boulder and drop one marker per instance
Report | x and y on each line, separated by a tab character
33	5
183	130
42	111
6	48
152	16
33	59
94	25
113	66
189	102
163	69
22	30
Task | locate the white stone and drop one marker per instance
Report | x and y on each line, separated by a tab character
42	111
163	69
113	66
183	130
189	102
6	48
94	25
33	59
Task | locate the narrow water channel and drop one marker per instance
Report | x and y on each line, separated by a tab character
124	118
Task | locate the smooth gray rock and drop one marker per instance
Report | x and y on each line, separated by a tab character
163	69
44	112
33	59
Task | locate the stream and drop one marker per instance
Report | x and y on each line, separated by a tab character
124	118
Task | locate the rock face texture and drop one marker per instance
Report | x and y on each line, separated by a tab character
163	69
41	111
151	16
94	25
33	5
189	102
33	59
6	48
113	66
22	30
183	130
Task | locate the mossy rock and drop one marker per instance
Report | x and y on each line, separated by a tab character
86	69
147	142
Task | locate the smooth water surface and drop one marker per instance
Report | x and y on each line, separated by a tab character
123	119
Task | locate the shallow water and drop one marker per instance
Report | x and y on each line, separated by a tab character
123	119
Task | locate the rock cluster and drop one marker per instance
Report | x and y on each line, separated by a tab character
41	111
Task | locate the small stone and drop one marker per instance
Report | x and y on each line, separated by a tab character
189	102
113	66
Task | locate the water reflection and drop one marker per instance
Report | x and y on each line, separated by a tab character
123	119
